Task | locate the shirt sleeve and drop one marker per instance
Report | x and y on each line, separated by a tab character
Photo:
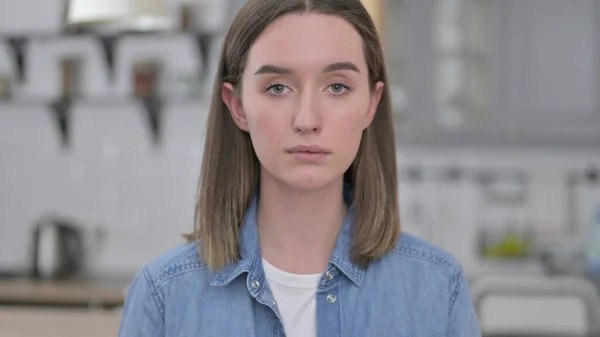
141	314
462	317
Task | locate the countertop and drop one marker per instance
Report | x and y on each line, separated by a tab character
67	308
38	322
66	293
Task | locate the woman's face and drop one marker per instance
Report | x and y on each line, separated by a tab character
305	99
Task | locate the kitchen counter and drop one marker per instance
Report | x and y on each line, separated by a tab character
70	308
36	322
68	293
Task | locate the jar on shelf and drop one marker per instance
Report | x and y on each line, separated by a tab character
70	75
146	75
4	87
187	17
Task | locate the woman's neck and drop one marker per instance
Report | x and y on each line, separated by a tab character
298	229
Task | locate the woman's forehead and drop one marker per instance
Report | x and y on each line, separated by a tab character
307	41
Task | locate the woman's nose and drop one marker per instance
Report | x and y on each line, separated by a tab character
307	118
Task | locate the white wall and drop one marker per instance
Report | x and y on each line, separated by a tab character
111	176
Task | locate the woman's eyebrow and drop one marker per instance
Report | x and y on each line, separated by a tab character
341	66
273	69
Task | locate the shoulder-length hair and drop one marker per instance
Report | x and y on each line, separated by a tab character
230	169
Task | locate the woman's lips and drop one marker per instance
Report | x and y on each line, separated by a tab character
308	153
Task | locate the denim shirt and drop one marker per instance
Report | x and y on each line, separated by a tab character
416	290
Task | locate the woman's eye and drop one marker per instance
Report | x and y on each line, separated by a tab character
337	88
277	89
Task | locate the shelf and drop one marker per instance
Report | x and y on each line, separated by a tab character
61	108
83	293
498	136
104	101
108	42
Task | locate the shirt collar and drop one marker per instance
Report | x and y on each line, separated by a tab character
251	259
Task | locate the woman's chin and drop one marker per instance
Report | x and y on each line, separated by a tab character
309	182
300	178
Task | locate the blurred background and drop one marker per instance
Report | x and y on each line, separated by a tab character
101	134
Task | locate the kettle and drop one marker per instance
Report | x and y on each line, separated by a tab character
58	248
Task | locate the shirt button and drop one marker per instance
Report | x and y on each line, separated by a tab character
255	284
331	298
329	276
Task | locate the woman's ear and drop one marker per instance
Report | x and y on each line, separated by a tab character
375	98
231	98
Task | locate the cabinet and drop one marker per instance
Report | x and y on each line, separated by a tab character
494	72
550	61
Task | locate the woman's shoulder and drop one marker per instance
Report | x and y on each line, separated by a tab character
415	260
175	262
427	281
432	274
412	247
163	284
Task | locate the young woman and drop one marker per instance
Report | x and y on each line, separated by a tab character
297	225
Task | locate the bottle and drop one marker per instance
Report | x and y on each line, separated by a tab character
593	255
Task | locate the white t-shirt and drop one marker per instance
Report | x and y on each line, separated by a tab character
295	295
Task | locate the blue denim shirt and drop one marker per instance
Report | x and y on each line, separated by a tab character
416	290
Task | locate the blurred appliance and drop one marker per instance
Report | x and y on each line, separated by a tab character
563	256
416	202
504	232
58	248
588	202
535	305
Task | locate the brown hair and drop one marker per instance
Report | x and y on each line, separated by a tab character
230	168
